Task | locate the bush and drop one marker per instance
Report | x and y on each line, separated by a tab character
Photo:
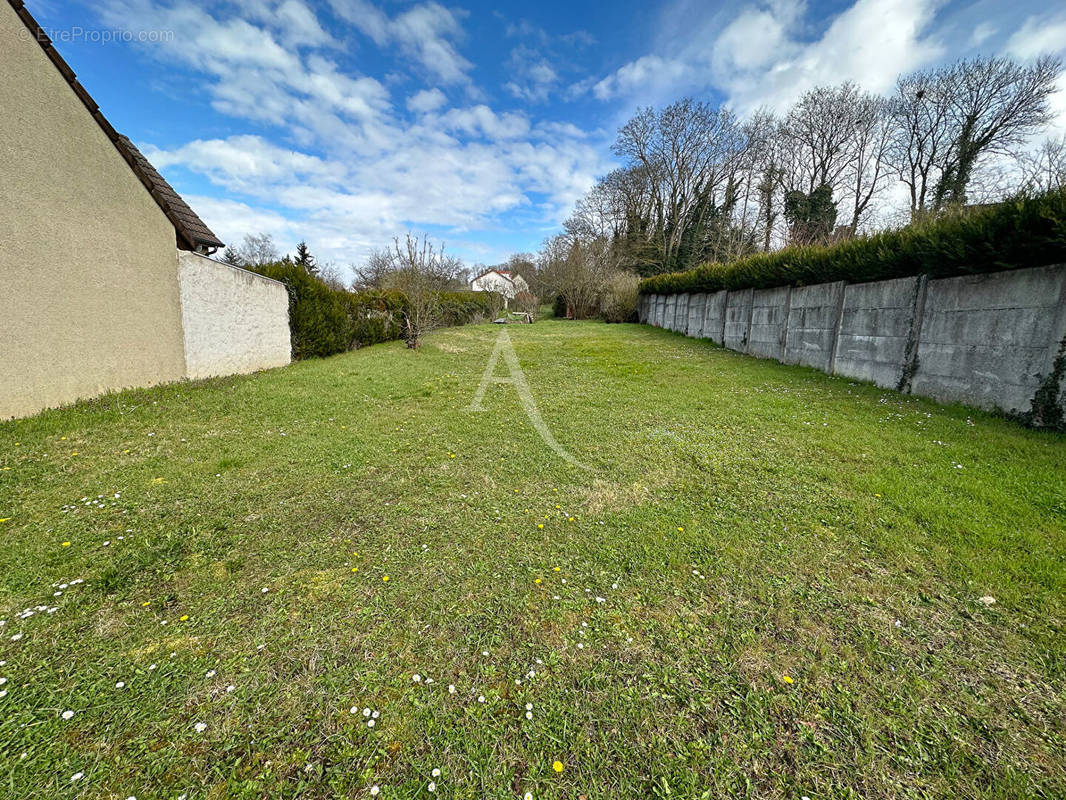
324	321
527	303
619	303
559	307
1022	232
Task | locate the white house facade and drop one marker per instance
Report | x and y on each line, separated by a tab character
502	281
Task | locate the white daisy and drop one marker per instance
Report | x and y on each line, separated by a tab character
435	773
68	714
77	776
200	727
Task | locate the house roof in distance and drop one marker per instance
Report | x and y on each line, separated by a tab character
191	231
503	273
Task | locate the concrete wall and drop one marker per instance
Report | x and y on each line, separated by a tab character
681	314
696	305
769	313
714	317
234	321
991	337
996	341
877	331
813	319
87	259
737	320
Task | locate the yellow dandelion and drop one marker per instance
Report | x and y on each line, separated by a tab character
183	618
146	603
540	525
680	528
557	766
537	580
558	506
451	455
516	491
62	438
66	544
787	679
355	569
158	480
385	578
556	569
74	452
571	519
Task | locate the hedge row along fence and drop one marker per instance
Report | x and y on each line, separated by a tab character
1023	232
325	321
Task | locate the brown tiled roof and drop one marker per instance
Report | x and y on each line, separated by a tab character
190	229
184	218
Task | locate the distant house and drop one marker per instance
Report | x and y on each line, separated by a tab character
104	268
503	281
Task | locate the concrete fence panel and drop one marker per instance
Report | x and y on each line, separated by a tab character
696	305
714	317
769	315
877	325
738	320
996	341
813	317
660	311
680	314
985	338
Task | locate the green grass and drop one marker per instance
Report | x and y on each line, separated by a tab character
745	522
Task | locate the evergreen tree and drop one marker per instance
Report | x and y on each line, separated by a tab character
305	259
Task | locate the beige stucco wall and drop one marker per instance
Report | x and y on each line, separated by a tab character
234	321
88	267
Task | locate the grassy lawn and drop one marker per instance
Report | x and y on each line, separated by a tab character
768	586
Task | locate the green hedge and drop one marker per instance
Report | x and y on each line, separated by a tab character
1023	232
325	321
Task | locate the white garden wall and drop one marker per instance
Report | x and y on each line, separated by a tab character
234	321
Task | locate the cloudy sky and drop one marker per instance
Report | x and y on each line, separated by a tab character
346	122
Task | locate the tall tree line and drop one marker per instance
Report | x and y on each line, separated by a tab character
698	184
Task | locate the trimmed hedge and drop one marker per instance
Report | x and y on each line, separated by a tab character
1023	232
325	321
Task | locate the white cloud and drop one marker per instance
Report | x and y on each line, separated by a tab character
426	33
761	56
532	77
426	100
647	73
1037	36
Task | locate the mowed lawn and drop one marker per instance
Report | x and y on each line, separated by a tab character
768	586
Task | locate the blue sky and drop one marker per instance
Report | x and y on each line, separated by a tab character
347	122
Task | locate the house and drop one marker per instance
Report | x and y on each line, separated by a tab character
106	278
503	281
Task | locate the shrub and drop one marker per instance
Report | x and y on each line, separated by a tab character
619	303
324	321
1022	232
527	303
559	307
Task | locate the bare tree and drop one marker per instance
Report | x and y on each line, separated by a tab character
868	173
688	154
421	271
258	249
1045	168
948	120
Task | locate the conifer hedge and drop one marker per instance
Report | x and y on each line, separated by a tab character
1022	232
